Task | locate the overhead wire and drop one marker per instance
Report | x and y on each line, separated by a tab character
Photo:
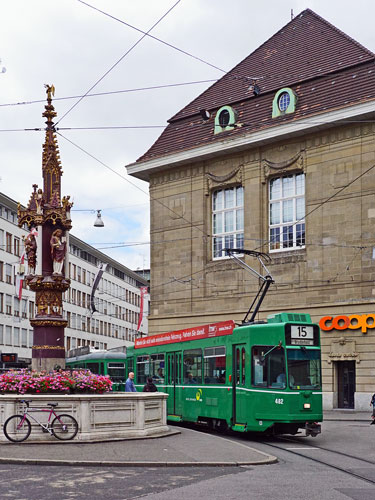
152	36
118	61
191	125
132	183
153	87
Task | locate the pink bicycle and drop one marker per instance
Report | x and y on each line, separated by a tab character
18	427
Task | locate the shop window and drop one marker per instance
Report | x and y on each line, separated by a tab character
193	366
287	212
284	102
227	220
214	365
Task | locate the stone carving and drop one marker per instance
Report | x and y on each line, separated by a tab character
30	250
58	249
215	181
296	162
343	350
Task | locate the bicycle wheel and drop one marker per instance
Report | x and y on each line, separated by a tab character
17	428
64	427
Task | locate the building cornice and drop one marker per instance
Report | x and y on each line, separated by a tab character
142	170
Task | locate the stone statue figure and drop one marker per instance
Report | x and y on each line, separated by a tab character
58	249
39	200
67	205
30	250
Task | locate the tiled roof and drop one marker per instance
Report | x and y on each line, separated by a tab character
325	68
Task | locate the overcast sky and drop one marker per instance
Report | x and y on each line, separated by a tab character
72	46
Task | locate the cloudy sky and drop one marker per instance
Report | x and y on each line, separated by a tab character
73	46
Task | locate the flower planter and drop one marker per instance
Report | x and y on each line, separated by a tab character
109	416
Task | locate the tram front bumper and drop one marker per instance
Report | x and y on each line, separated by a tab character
313	429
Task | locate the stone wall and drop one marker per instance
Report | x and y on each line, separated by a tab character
99	417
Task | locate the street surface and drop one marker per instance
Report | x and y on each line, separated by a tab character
293	477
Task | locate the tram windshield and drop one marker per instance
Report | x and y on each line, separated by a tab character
304	369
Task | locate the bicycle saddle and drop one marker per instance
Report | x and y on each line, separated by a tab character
53	404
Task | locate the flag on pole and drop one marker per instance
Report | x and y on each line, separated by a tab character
144	291
20	276
98	277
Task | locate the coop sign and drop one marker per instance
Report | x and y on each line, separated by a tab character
363	322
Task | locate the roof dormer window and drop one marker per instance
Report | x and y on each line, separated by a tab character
284	102
225	119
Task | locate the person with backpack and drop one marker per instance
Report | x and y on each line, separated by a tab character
150	386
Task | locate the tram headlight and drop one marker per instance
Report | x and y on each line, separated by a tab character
306	406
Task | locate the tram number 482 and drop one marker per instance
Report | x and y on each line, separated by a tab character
279	401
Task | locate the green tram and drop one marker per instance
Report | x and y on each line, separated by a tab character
109	363
262	376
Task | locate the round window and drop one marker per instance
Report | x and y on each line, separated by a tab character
224	118
284	101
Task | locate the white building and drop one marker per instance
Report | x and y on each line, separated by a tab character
117	298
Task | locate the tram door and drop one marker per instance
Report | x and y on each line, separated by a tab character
239	383
174	360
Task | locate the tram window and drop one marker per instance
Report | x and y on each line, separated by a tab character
142	369
116	372
193	366
93	367
304	369
130	365
214	365
268	367
157	368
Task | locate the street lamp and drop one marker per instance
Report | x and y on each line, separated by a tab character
98	222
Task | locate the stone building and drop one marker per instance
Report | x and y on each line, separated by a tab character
117	299
277	156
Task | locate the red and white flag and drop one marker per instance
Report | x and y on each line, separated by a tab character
20	276
144	291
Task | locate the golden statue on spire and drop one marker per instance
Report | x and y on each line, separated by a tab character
50	91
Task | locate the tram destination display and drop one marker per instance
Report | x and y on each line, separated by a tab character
304	335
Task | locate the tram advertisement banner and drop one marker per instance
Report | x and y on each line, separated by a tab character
198	332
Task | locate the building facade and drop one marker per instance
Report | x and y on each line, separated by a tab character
116	300
283	164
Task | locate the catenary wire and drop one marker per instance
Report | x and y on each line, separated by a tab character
198	124
153	37
132	184
154	87
119	60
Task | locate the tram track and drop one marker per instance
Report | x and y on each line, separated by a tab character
305	445
297	441
328	464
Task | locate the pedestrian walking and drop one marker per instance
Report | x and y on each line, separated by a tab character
372	403
129	385
150	386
